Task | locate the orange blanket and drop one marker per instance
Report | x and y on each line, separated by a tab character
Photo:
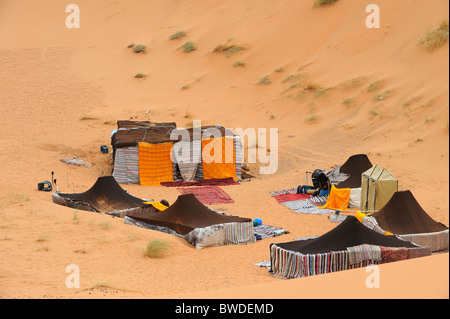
155	163
338	198
219	158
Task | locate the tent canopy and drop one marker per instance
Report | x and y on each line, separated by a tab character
404	215
348	233
105	195
129	133
354	166
186	214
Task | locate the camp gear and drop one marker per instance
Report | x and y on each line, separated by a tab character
320	179
303	188
45	186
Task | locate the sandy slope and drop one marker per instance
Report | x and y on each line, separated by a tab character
63	89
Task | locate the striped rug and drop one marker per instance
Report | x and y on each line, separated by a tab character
126	165
301	203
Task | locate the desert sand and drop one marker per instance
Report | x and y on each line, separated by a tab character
336	88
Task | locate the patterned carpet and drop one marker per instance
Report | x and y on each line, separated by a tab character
208	195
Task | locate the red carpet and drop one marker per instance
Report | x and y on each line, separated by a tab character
208	195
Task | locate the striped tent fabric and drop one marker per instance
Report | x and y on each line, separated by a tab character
221	235
126	165
419	252
335	176
371	223
239	155
187	159
120	167
363	252
132	158
239	233
437	241
288	264
291	264
155	163
199	172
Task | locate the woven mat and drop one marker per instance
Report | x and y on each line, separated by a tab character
265	231
301	203
208	195
290	197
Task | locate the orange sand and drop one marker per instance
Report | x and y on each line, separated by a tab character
62	91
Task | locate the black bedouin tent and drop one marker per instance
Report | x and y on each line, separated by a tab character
104	196
349	245
354	166
404	216
198	224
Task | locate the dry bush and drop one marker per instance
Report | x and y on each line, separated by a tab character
437	37
155	248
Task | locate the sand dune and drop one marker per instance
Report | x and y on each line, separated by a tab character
333	88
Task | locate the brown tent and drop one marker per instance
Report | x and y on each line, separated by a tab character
186	214
349	245
404	217
104	196
354	166
348	233
200	225
130	133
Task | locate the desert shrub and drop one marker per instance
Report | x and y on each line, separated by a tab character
189	46
155	248
177	35
139	48
238	63
264	80
323	2
436	38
